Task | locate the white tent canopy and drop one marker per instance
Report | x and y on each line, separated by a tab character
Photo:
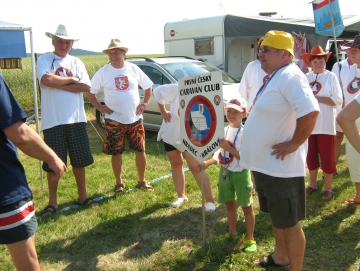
10	27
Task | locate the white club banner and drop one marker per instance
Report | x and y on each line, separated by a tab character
201	114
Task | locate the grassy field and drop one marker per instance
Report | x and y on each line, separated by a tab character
140	231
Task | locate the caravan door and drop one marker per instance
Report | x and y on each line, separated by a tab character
241	52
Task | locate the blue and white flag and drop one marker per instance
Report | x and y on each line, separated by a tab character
327	16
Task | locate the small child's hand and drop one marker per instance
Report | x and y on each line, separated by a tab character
203	166
225	145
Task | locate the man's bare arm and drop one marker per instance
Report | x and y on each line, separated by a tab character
32	145
70	84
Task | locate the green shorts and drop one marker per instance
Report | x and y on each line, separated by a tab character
237	186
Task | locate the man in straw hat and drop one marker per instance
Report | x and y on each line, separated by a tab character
63	79
351	89
123	110
276	150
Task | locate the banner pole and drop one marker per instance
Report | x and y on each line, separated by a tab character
333	27
203	205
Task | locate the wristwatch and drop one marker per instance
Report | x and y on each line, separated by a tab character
146	104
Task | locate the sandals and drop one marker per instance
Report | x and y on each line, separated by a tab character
250	246
228	237
270	262
119	188
310	190
145	185
328	195
178	202
352	201
49	210
89	202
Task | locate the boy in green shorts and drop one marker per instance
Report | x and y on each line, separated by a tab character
234	183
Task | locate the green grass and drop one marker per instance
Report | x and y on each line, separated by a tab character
139	231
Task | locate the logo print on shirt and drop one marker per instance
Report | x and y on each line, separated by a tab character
223	160
63	72
316	87
354	85
122	83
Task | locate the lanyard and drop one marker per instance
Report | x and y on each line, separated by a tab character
263	87
232	144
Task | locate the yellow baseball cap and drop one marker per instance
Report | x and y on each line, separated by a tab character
279	40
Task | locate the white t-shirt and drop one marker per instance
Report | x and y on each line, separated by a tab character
326	85
352	87
342	76
170	131
60	106
223	158
357	98
251	81
121	90
272	120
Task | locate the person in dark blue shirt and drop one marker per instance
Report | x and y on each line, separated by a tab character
17	214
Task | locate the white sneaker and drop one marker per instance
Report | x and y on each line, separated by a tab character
178	202
210	207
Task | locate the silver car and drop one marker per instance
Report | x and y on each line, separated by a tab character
167	70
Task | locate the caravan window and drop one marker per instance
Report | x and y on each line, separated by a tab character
204	47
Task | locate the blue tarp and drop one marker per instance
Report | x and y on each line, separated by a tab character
12	42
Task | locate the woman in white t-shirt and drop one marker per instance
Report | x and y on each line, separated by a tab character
170	134
327	91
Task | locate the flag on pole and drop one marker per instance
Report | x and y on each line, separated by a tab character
327	16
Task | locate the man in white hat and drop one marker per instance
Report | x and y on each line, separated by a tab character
123	111
63	79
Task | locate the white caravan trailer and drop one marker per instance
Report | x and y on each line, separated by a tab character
229	42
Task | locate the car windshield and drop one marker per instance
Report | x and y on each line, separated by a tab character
186	69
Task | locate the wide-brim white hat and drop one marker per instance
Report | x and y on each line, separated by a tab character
116	43
61	33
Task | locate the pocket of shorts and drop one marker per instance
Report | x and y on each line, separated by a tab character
287	194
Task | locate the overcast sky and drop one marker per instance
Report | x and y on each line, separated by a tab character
139	24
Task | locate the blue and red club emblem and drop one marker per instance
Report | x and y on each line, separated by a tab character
316	87
63	72
200	121
354	86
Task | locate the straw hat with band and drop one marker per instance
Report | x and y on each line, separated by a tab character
61	33
279	40
115	43
315	51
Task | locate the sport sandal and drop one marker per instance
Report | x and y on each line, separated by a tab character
178	202
250	246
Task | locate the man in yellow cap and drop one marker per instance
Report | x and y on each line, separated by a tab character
282	117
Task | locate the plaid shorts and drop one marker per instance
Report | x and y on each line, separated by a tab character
72	138
17	221
116	133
